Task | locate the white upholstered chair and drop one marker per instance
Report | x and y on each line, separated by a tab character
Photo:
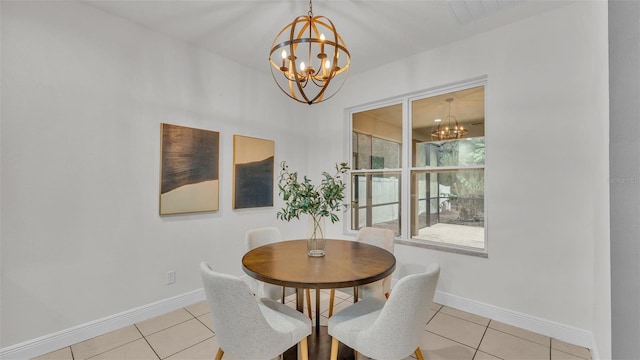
263	236
249	329
383	238
388	329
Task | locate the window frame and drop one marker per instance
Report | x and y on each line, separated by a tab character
407	169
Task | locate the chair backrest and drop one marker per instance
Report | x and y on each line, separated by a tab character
261	236
383	238
235	313
404	316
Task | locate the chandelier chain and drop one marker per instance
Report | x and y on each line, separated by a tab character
310	13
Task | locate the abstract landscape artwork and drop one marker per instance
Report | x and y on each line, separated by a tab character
189	180
253	162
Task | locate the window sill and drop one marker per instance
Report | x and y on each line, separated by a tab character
444	247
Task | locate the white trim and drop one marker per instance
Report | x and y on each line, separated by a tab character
545	327
74	335
82	332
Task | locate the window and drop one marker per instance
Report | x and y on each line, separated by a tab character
376	168
441	176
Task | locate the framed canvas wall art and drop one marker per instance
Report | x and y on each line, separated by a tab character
253	163
189	178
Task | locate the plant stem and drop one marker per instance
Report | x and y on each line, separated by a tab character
316	227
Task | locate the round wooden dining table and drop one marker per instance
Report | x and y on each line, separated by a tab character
345	264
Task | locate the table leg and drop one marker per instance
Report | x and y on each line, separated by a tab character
317	310
319	345
300	300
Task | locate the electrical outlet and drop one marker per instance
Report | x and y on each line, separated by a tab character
171	277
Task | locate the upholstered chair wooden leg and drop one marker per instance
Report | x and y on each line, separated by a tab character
308	292
304	349
387	295
219	354
334	348
419	354
332	296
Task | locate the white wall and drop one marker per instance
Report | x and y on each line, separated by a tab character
83	96
547	162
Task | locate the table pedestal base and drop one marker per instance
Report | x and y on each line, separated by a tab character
320	347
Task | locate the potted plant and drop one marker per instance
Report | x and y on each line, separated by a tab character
318	202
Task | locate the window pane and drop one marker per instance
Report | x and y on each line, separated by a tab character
434	119
354	147
376	201
449	207
379	138
385	154
461	152
363	156
377	144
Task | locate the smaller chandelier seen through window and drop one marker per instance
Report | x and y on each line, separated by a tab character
448	127
309	60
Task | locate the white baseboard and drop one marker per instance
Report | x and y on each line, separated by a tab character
68	337
549	328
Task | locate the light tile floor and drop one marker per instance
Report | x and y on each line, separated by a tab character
450	334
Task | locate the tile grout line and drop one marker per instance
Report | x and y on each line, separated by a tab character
456	341
205	325
462	318
188	347
482	338
520	337
168	327
113	348
147	341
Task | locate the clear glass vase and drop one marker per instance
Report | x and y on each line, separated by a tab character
315	237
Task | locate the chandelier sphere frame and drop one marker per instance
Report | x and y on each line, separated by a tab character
452	130
308	66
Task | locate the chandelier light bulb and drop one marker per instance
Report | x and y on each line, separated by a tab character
321	46
284	68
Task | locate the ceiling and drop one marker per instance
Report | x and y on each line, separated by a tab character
376	32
